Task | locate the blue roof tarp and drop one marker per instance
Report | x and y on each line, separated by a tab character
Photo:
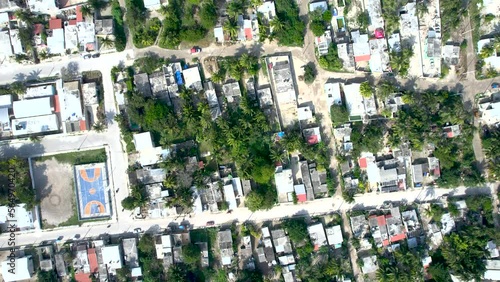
178	78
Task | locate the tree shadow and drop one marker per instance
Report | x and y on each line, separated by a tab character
70	72
20	77
23	151
34	74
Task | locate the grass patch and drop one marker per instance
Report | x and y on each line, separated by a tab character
79	157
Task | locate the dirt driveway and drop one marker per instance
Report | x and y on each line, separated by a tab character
54	183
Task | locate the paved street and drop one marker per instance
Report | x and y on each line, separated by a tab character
317	207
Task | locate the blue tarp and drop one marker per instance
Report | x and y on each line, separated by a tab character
178	78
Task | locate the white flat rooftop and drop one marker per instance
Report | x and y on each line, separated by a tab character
32	107
55	43
36	124
39	91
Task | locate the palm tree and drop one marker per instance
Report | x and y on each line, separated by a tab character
97	4
277	154
170	181
86	10
256	3
235	8
25	16
106	42
99	127
231	27
276	25
218	77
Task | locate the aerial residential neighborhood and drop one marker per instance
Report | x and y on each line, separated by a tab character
238	140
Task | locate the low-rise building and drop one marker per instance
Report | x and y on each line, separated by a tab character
21	217
322	6
379	57
317	235
112	258
334	236
141	82
312	135
225	243
104	27
152	4
23	269
490	112
281	242
411	223
17	45
300	193
378	228
268	10
493	60
265	97
86	36
451	54
55	37
71	107
130	252
323	42
369	264
148	153
284	184
192	78
333	94
232	92
360	46
204	254
213	101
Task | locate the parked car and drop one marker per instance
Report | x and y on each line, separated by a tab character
210	223
76	237
195	50
96	55
138	230
87	56
495	85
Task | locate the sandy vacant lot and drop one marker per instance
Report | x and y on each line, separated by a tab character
55	189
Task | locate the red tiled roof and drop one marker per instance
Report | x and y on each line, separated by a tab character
94	266
248	33
381	220
385	242
83	277
83	125
55	23
398	237
57	107
90	46
301	198
79	15
363	163
450	134
362	58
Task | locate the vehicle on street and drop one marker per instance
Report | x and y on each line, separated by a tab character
59	239
87	56
210	223
195	50
76	237
96	55
137	230
495	85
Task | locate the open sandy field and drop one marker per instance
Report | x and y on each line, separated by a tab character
55	189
